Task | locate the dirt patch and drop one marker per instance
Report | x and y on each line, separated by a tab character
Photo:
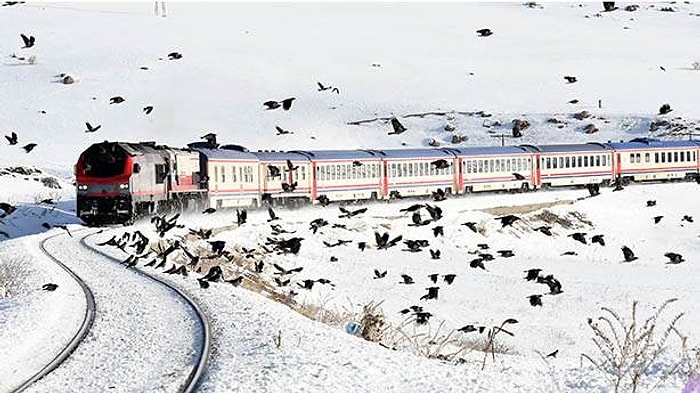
524	209
568	221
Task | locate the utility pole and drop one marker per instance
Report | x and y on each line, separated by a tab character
503	138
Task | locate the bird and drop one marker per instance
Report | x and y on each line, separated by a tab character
507	220
12	138
281	131
574	101
471	225
397	126
270	105
657	219
282	271
477	263
174	56
553	354
506	253
438	230
116	100
209	210
259	266
532	274
438	195
287	103
28	41
347	213
356	163
361	245
417	221
307	284
148	109
323	200
29	147
651	203
662	68
628	253
412	208
433	277
569	253
518	176
598	239
674	258
378	274
440	164
422	317
241	216
471	328
204	284
90	128
217	246
272	215
432	293
236	281
449	278
331	88
544	229
484	32
291	167
687	218
483	246
579	236
406	279
535	300
665	108
570	79
434	211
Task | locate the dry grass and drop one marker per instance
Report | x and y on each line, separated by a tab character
524	209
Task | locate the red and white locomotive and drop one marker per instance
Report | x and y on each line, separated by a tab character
119	181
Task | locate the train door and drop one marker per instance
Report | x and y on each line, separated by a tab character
314	189
384	177
536	170
458	185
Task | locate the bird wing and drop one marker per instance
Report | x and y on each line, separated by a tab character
25	39
320	86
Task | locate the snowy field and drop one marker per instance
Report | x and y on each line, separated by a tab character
388	59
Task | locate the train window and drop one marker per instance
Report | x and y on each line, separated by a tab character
393	170
585	161
421	169
693	156
480	166
426	168
632	158
675	156
663	157
498	165
233	174
343	172
216	174
656	157
567	163
597	160
507	168
682	156
549	163
223	174
303	173
554	163
321	173
512	163
687	156
647	157
404	170
410	169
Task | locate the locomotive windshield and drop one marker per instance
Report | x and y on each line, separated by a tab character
104	160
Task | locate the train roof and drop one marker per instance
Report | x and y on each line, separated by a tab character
279	156
139	148
341	154
572	147
646	143
226	154
492	150
417	153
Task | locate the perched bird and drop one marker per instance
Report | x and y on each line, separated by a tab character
361	245
323	200
629	255
210	138
665	108
259	266
570	79
484	32
507	220
148	109
544	229
236	281
28	41
356	163
535	300
438	195
204	284
449	278
378	274
674	258
397	126
434	211
598	239
579	236
422	317
12	138
241	216
406	279
532	274
116	100
217	246
518	176
90	128
657	219
209	210
29	147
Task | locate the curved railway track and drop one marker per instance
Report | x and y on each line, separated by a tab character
78	337
202	358
203	344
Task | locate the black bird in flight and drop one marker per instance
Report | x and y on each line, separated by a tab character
440	164
651	203
574	101
347	213
90	128
535	300
148	109
507	220
28	41
272	215
477	263
553	354
49	287
281	131
438	231
432	293
406	279
449	278
397	126
271	105
287	103
174	56
331	88
484	32
12	138
674	258
209	210
116	100
378	274
506	253
471	225
579	236
628	253
29	147
412	208
657	219
570	79
532	274
434	254
687	218
544	229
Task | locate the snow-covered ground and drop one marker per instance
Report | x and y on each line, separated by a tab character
386	59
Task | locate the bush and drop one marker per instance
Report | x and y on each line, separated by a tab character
628	350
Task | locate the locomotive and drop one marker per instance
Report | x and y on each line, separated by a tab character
119	181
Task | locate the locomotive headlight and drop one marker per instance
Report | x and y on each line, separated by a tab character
124	186
82	187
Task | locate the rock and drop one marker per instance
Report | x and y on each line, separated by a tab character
459	138
553	120
50	182
491	123
665	108
21	170
582	115
434	143
590	129
449	127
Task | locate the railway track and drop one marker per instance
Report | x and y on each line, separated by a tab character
113	334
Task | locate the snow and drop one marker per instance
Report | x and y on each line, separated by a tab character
237	56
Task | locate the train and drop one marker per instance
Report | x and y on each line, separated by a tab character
118	182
